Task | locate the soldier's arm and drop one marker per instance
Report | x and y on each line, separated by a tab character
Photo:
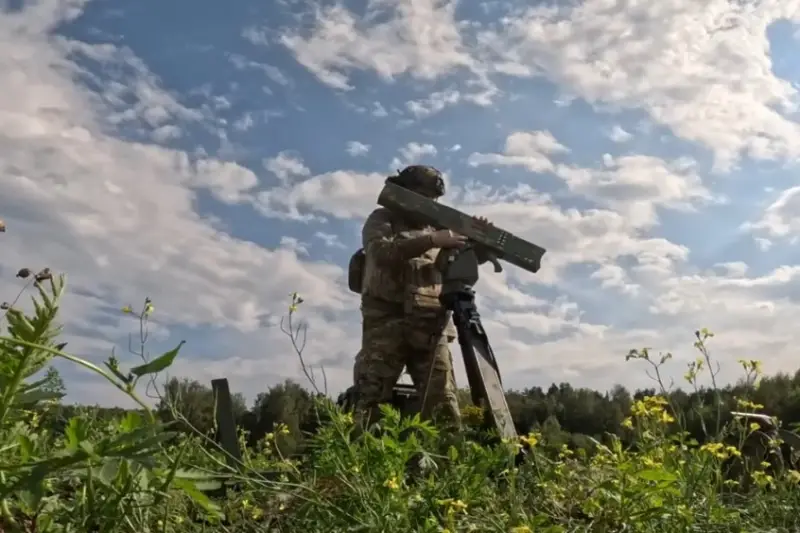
379	241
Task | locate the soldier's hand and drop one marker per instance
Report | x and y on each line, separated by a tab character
483	221
444	238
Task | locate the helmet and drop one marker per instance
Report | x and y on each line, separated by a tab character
422	179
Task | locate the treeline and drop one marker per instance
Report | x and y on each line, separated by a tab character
563	413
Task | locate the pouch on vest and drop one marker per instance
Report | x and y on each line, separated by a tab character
355	271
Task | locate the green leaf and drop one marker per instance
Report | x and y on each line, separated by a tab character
32	497
158	364
107	474
35	396
137	441
657	474
75	432
132	421
452	453
25	447
201	480
198	497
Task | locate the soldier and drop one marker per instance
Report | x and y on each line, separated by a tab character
404	324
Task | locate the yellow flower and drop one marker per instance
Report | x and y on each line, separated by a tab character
762	479
748	405
391	483
127	309
649	462
452	504
531	439
754	426
521	529
257	513
148	309
716	449
794	476
627	423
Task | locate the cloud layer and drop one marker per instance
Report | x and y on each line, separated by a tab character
650	148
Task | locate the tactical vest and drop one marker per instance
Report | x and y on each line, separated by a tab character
414	284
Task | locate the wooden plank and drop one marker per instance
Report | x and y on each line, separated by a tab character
226	422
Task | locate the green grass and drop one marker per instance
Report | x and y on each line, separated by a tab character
136	474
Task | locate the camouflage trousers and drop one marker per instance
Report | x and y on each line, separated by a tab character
391	343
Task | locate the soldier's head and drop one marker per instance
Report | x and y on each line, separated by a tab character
421	179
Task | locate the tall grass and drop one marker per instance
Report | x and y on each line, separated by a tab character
137	475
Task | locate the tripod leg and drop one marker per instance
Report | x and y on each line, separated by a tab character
460	273
483	376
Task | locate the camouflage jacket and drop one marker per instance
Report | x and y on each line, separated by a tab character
400	269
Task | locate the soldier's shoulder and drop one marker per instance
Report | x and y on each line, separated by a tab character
379	216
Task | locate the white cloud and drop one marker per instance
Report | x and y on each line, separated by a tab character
272	72
571	236
619	135
341	194
340	41
707	77
434	103
633	186
120	217
781	219
531	150
636	185
355	148
413	153
287	167
387	40
330	240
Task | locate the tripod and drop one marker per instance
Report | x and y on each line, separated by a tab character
460	273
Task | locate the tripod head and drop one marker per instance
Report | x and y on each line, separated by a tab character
459	267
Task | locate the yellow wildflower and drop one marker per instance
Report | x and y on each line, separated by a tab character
531	439
762	479
748	405
452	505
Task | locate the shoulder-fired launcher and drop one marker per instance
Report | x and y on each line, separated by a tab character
497	242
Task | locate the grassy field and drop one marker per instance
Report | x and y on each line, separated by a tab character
137	475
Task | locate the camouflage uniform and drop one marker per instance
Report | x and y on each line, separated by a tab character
404	324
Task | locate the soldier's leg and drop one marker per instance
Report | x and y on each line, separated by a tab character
431	369
378	366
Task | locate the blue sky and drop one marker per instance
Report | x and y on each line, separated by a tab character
218	156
